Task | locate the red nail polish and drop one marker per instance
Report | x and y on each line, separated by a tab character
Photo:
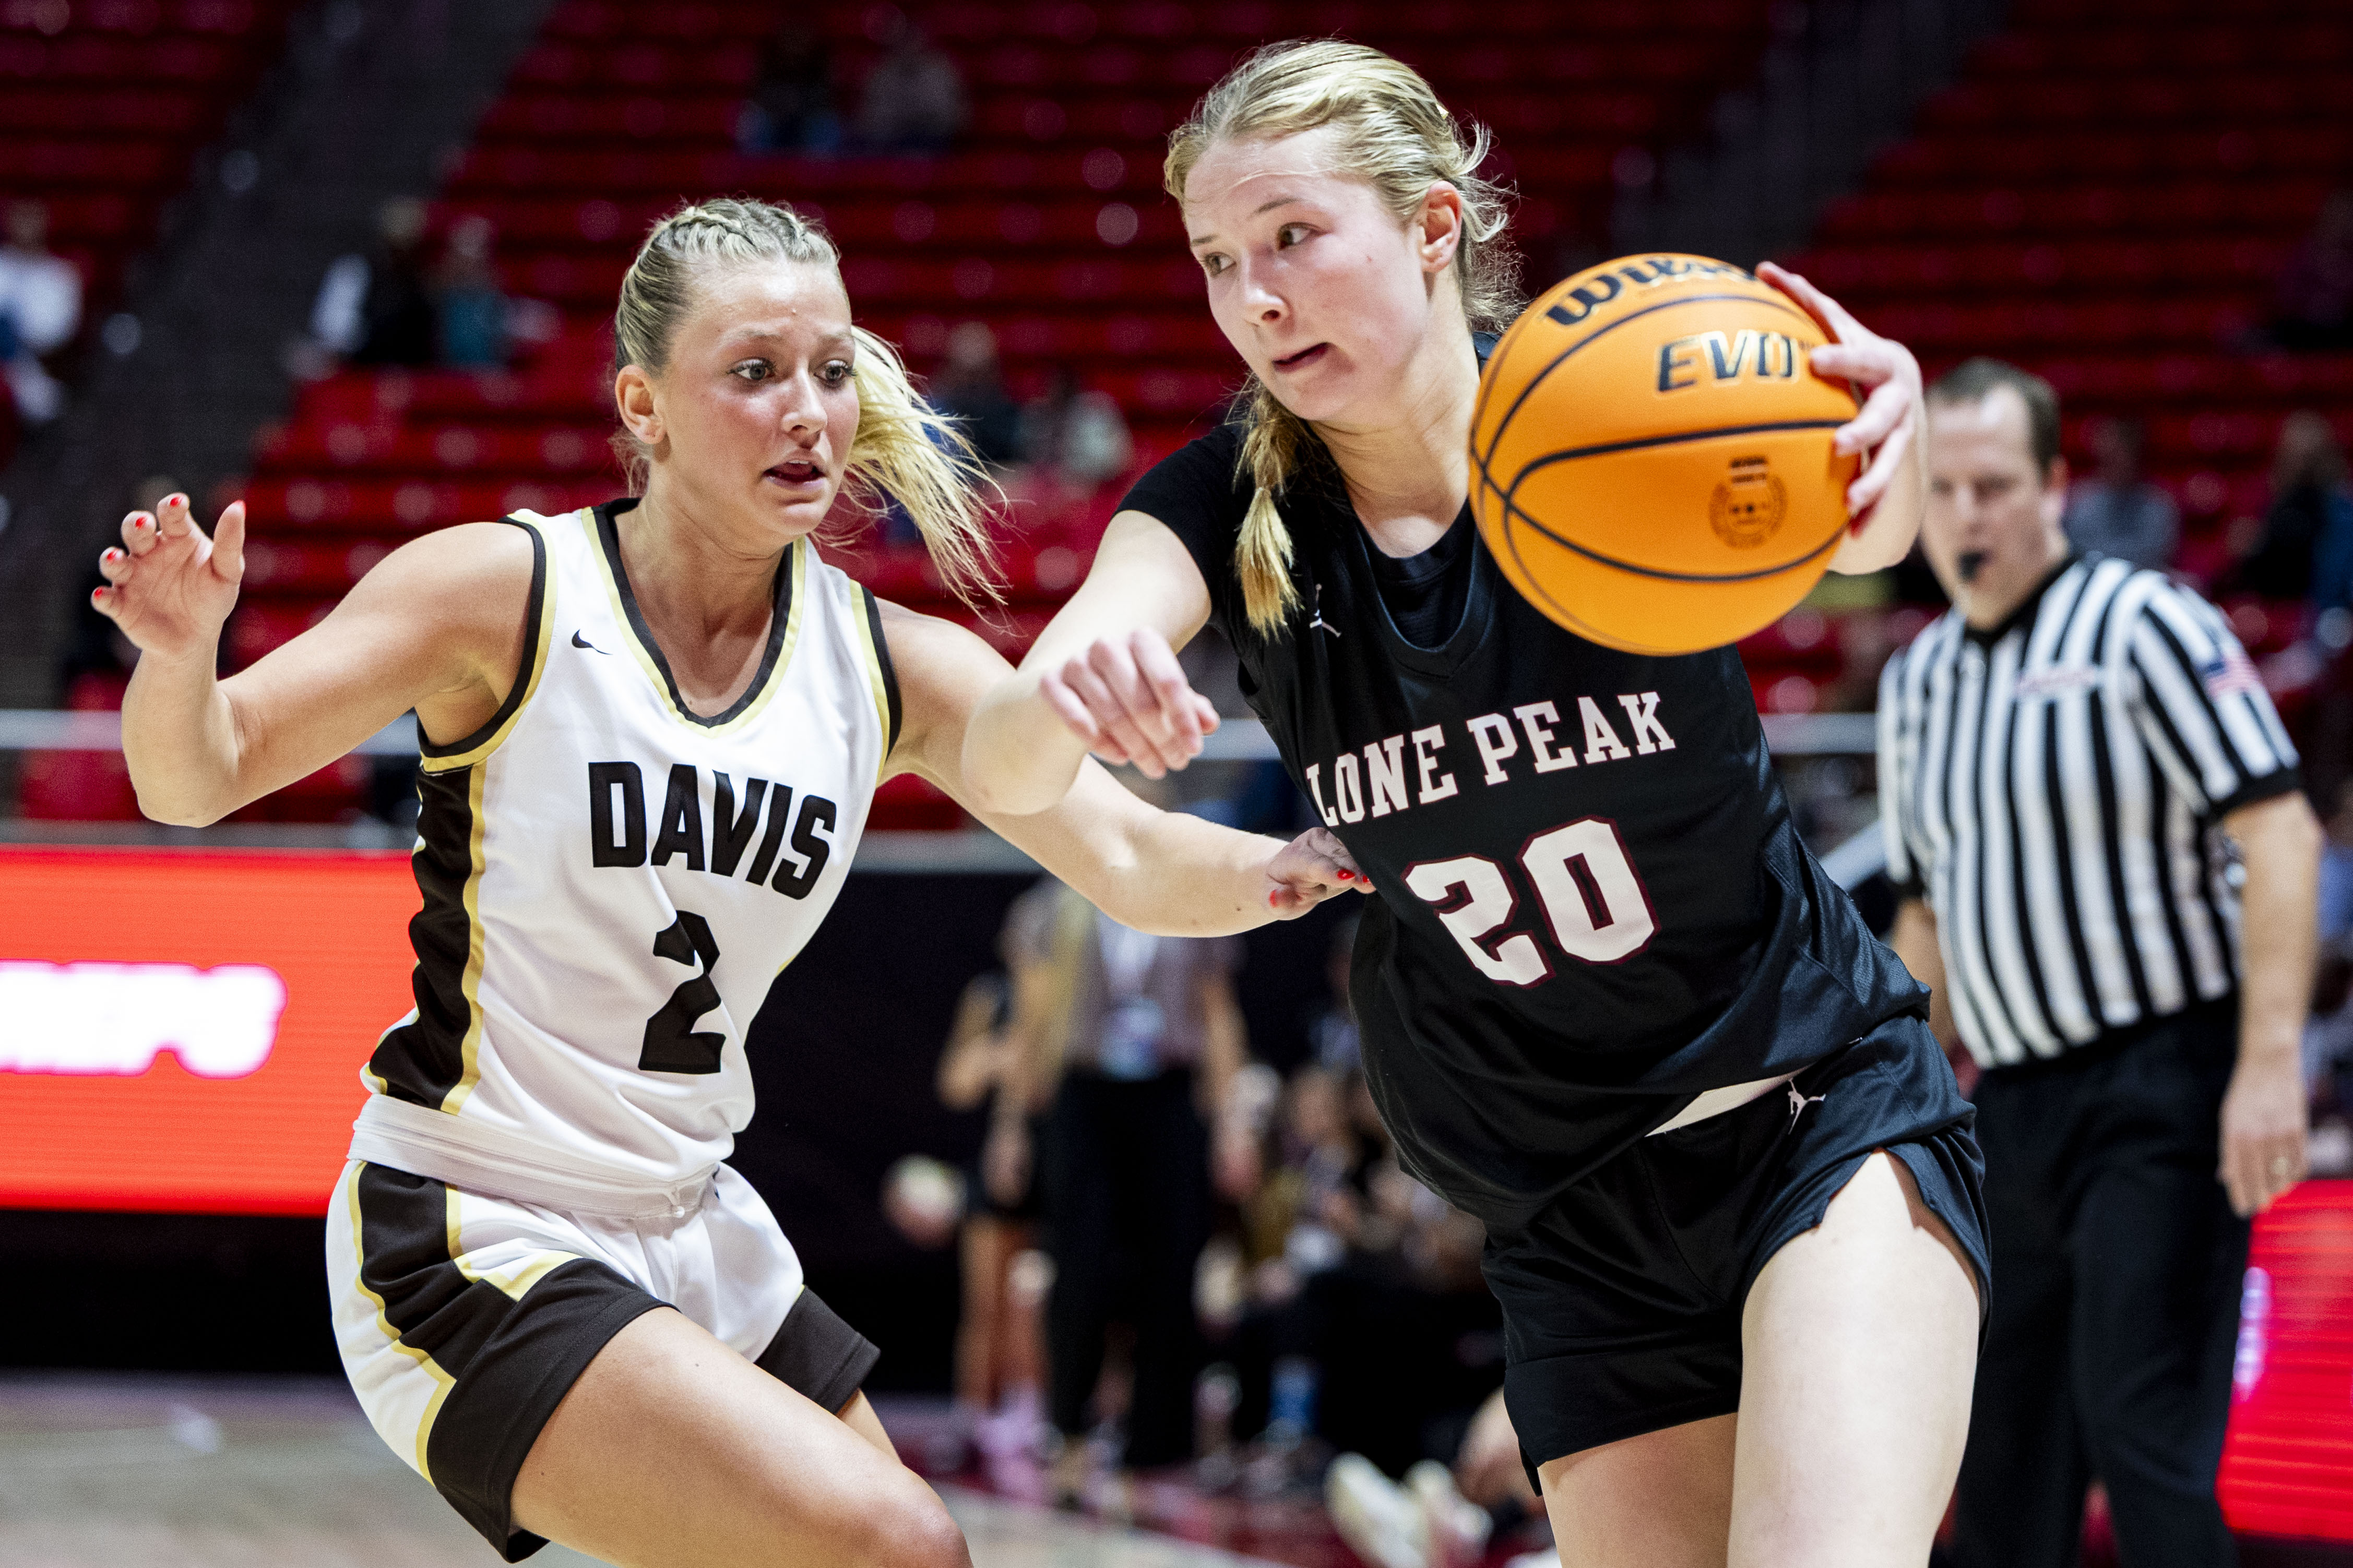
1275	899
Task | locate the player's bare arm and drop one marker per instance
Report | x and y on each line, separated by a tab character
1157	871
437	626
1102	678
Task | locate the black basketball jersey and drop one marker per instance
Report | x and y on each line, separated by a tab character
1590	903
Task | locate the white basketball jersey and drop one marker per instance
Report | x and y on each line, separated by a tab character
612	883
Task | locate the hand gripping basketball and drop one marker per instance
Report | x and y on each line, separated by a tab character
1667	451
168	586
1882	369
1128	699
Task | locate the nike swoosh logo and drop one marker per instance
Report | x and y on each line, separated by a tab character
579	641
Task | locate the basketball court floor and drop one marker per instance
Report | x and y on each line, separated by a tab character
104	1471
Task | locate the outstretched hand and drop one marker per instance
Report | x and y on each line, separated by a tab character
1128	699
1309	870
169	587
1882	369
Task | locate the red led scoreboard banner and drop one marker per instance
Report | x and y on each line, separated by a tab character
184	1031
2287	1464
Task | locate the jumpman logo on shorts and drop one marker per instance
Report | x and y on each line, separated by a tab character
1797	1103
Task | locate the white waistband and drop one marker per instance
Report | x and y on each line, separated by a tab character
503	1163
1716	1101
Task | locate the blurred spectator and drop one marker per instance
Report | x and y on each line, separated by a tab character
1442	1517
1076	437
999	1350
2116	511
970	388
913	100
40	310
1368	1326
1143	1038
470	308
2314	307
790	109
2305	546
378	310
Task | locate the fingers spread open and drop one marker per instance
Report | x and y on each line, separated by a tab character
1832	316
1112	717
1157	662
171	517
228	543
1068	706
1152	704
1884	411
1873	482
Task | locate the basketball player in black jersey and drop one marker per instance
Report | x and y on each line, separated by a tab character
1749	1338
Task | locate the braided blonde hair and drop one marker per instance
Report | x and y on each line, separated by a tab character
1398	139
903	451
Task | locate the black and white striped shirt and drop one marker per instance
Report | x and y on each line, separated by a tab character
2050	787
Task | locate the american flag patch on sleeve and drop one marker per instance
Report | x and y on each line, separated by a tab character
2233	674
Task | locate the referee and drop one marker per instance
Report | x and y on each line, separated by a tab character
2089	804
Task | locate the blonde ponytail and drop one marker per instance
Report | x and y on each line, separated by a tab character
1400	140
903	451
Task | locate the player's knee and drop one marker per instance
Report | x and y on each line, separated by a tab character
910	1528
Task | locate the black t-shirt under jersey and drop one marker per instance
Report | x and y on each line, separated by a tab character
1590	903
1427	594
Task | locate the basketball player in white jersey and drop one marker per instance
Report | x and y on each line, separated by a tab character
651	731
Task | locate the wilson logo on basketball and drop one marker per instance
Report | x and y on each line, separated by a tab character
116	1018
1747	507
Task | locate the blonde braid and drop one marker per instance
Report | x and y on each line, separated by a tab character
1273	440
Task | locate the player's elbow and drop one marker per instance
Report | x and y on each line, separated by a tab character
999	791
177	808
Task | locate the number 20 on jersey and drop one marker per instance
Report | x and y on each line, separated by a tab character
1594	905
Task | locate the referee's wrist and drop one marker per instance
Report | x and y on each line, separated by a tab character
2270	1044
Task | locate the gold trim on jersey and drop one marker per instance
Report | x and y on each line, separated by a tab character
443	1381
797	600
875	678
470	984
535	656
517	1278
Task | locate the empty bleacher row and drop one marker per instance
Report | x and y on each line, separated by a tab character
102	103
2109	197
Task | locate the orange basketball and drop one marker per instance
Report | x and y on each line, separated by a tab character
1651	458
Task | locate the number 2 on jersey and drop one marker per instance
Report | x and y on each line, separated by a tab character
673	1042
1592	900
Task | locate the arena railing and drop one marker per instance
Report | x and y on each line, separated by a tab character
1820	736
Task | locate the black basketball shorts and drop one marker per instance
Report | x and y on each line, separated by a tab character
1623	1300
464	1320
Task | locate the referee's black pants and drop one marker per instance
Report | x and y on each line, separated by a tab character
1127	1200
2117	1271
